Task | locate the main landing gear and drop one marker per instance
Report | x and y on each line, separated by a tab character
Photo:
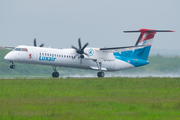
55	74
12	66
100	73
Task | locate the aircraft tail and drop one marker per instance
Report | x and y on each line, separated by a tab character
145	38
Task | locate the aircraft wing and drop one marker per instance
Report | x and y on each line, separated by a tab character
120	49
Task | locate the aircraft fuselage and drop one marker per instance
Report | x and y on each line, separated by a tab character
62	58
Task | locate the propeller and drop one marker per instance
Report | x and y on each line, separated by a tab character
80	50
36	45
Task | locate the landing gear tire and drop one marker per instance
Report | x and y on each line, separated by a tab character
81	56
55	74
12	66
100	74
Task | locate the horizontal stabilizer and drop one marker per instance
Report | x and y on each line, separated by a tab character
148	30
146	35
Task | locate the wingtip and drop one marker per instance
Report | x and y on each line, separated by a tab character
171	31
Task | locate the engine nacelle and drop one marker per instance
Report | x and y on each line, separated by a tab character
96	54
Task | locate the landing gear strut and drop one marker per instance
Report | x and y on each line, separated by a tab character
12	66
100	73
55	74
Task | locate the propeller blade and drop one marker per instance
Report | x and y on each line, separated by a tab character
85	46
35	42
74	47
41	45
75	56
86	54
79	41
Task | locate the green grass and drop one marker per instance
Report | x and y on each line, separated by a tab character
90	98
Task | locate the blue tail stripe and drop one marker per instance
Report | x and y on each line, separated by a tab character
142	53
137	57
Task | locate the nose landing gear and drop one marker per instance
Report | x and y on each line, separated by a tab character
55	74
12	66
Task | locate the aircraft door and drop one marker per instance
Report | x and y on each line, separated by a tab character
33	55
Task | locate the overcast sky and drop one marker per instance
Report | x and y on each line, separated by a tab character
59	23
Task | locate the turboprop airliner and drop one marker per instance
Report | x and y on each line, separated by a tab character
99	59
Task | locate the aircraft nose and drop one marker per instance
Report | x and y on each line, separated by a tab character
7	57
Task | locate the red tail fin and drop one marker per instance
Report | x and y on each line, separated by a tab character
146	37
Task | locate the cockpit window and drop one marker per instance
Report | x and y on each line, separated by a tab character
21	49
17	49
24	49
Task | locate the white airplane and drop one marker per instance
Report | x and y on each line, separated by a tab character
100	59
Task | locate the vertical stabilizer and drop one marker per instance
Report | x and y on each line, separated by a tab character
145	38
